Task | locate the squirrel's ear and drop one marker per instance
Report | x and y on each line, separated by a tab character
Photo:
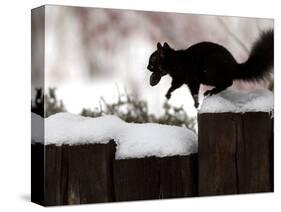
159	46
166	45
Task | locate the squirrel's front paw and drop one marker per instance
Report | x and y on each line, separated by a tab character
168	96
208	93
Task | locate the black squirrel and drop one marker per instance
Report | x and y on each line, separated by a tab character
210	64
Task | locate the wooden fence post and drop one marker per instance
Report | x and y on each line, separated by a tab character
79	174
235	153
155	178
37	173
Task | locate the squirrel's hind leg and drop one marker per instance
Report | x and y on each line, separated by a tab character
218	89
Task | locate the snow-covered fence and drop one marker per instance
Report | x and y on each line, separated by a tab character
104	159
155	161
84	160
235	138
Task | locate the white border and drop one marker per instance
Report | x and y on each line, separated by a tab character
15	104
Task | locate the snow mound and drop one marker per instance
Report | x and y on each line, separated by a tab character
144	140
239	102
132	140
37	128
67	128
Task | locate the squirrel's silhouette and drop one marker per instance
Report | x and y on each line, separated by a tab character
210	64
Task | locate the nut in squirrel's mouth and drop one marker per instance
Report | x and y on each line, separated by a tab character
155	79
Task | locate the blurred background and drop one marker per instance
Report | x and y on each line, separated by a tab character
96	59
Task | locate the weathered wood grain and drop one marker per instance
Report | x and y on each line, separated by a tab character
255	151
235	156
235	153
136	179
155	178
79	174
178	176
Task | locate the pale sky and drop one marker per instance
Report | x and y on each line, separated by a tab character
89	53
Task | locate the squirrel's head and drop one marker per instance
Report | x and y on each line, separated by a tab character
158	63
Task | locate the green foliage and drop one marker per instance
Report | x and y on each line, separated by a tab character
128	107
52	104
37	105
46	104
176	116
131	109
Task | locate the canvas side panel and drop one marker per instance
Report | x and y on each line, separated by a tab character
37	104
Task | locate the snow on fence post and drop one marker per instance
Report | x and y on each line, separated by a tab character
235	144
104	159
72	157
154	162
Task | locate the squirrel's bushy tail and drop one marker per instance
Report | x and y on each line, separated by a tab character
259	64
